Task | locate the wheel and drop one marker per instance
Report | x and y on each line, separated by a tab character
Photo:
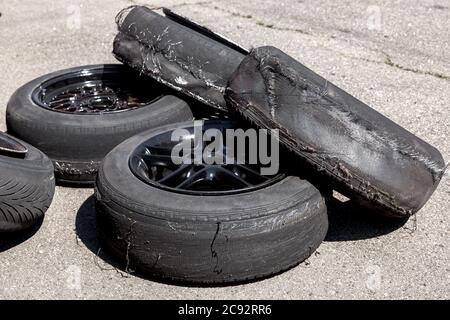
27	184
177	52
76	116
202	223
365	156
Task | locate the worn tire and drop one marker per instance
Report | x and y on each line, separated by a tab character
27	186
363	154
204	239
77	143
177	52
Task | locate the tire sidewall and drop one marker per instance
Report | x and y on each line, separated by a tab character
80	137
35	174
116	178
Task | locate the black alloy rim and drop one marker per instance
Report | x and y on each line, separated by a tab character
107	89
152	163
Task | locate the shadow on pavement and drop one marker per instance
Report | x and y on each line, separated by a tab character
10	240
86	226
86	229
349	221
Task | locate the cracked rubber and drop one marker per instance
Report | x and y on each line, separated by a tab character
27	186
365	155
204	239
177	52
77	143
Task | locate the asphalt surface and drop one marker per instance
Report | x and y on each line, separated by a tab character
395	56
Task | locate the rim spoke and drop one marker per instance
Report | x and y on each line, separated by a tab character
202	179
249	170
236	178
192	179
97	93
178	173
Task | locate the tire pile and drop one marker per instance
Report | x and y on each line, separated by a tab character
110	126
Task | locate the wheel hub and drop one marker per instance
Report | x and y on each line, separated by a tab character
103	90
153	164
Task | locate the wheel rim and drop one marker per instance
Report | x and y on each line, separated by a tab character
105	89
151	162
11	147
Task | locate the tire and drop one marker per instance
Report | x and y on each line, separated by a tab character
206	239
364	155
27	186
76	141
177	52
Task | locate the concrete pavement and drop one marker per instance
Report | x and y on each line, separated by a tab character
394	55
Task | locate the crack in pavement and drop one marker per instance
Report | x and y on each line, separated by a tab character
179	5
184	4
278	28
258	22
387	61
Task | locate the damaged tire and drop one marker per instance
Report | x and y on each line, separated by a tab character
366	156
76	116
202	223
27	184
177	52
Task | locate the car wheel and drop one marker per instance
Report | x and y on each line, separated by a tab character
202	223
76	116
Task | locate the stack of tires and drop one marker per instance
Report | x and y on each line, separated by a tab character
112	127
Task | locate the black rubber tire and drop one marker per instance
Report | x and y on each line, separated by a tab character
204	239
77	143
27	186
178	53
363	154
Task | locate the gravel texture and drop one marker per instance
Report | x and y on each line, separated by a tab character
394	55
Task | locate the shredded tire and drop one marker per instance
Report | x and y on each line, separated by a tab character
210	239
177	52
365	155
